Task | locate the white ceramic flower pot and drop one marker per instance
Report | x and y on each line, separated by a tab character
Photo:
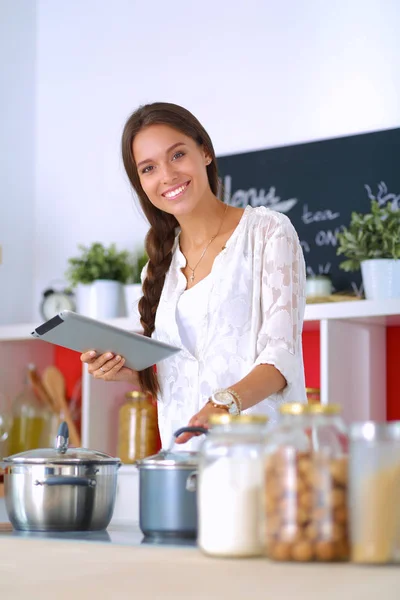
102	299
381	278
133	293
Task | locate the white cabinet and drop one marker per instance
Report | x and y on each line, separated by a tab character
126	509
353	374
353	354
352	357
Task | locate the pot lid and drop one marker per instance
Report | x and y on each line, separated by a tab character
168	458
61	454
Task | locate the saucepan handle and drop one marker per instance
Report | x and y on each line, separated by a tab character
178	432
60	480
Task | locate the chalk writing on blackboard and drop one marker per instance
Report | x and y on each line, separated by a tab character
309	216
322	269
256	197
383	196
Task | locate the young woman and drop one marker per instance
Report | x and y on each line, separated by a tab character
225	284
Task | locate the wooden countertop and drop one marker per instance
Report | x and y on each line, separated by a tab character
53	569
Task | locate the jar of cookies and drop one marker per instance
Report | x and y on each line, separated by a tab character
305	499
137	428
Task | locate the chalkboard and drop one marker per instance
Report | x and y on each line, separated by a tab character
318	185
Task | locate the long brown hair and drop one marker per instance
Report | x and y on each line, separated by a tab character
161	235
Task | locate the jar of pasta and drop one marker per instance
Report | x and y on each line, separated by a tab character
374	492
137	428
305	498
230	487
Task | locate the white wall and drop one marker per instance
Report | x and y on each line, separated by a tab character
256	73
17	127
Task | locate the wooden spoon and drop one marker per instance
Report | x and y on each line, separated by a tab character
40	389
54	382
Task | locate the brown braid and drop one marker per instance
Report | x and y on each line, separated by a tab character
160	238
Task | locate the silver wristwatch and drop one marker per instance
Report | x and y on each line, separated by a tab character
225	399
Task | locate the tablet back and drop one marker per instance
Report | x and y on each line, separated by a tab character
81	333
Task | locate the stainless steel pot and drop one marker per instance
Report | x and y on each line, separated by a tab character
167	492
61	489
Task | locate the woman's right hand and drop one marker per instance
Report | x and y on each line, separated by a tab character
109	367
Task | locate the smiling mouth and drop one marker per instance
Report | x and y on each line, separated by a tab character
175	192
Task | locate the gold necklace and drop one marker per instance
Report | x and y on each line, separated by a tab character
191	278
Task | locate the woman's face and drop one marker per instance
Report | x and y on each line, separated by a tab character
171	168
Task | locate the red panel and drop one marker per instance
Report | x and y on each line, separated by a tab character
311	358
70	365
393	373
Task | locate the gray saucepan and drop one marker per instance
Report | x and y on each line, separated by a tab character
167	492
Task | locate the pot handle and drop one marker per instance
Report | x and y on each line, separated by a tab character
178	432
60	480
191	482
62	438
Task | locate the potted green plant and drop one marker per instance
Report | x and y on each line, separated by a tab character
133	287
98	275
372	242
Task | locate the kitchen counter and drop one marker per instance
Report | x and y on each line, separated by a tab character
123	566
125	535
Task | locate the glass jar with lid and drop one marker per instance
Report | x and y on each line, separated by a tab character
374	492
230	486
137	428
306	467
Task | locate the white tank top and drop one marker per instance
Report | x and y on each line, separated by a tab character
191	308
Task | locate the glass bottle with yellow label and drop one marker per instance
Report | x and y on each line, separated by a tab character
313	395
137	428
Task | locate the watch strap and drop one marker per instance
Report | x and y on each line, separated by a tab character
215	405
237	399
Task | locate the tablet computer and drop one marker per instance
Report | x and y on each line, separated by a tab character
81	333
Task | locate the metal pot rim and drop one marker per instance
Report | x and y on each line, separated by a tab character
167	465
48	461
168	460
72	456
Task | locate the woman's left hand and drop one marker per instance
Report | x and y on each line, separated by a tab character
201	419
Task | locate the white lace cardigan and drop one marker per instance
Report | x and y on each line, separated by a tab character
254	316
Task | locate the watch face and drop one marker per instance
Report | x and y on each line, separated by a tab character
223	398
54	303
